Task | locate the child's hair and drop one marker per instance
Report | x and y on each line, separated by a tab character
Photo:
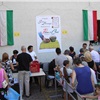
97	86
65	62
81	50
82	58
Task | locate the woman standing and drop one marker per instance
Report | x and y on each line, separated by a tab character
3	76
13	59
84	78
72	52
8	66
89	60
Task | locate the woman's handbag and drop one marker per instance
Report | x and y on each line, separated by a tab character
4	83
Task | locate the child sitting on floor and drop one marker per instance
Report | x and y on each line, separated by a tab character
96	94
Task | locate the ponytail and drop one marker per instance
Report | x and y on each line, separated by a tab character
66	75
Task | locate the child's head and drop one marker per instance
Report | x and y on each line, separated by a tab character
97	86
82	58
81	51
66	63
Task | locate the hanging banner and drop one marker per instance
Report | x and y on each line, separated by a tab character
48	33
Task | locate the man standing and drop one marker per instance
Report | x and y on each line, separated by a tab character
84	47
24	61
31	52
95	57
34	57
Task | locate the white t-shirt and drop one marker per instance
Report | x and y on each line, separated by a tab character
60	59
69	71
95	56
93	75
32	54
70	61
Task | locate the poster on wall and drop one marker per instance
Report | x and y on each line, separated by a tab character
48	33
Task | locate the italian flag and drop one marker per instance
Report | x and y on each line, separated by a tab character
6	27
90	25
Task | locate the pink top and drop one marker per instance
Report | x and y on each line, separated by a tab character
1	77
98	97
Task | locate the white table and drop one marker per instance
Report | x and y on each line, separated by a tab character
41	73
37	74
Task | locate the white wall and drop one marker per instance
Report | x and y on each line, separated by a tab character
24	23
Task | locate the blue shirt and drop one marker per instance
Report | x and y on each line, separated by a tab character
83	76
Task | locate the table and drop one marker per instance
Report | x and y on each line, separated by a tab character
37	74
41	73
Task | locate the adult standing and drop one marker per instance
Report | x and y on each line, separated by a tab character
8	66
95	57
72	52
84	47
84	78
24	61
32	53
89	60
13	58
3	76
34	57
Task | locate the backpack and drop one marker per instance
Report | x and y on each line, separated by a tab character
51	67
35	67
